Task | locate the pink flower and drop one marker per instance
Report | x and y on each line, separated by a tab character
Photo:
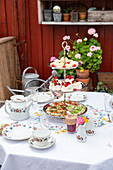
91	31
93	48
95	35
97	48
78	55
52	59
66	37
79	40
67	47
89	54
81	62
80	121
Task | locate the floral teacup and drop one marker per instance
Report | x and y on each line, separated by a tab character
41	136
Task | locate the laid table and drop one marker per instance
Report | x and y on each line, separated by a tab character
67	153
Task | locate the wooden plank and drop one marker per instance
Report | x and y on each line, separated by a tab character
9	17
87	3
107	51
9	67
60	0
101	40
59	32
109	41
29	53
106	78
48	49
99	4
36	42
3	19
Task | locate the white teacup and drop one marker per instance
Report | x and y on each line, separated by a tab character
41	136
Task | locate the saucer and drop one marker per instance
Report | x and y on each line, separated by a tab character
32	142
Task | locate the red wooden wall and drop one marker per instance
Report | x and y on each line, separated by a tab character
44	41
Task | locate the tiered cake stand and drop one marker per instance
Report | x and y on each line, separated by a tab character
64	44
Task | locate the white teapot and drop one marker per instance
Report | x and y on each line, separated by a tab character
18	107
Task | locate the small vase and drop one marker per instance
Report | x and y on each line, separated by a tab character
48	15
57	17
66	17
74	16
90	129
82	16
81	134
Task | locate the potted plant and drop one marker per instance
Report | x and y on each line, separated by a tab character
57	15
82	10
66	14
85	50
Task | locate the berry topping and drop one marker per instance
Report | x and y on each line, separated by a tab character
75	89
53	65
62	83
55	77
74	65
55	83
73	81
63	66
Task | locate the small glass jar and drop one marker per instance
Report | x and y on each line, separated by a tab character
71	120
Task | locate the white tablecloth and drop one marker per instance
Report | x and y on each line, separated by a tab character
67	153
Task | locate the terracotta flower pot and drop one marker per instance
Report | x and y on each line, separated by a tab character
82	16
66	17
85	80
82	74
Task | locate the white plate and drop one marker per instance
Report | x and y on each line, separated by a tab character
18	131
34	144
44	97
79	97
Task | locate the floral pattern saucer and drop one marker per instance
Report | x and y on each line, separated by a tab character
33	143
18	131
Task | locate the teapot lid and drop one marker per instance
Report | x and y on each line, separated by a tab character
18	98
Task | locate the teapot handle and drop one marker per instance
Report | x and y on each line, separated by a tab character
7	107
29	107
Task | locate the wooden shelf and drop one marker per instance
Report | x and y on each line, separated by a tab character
76	23
41	7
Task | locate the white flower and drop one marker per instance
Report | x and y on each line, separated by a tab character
85	39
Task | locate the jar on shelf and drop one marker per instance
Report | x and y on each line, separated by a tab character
71	120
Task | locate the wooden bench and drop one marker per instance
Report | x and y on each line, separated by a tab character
106	78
